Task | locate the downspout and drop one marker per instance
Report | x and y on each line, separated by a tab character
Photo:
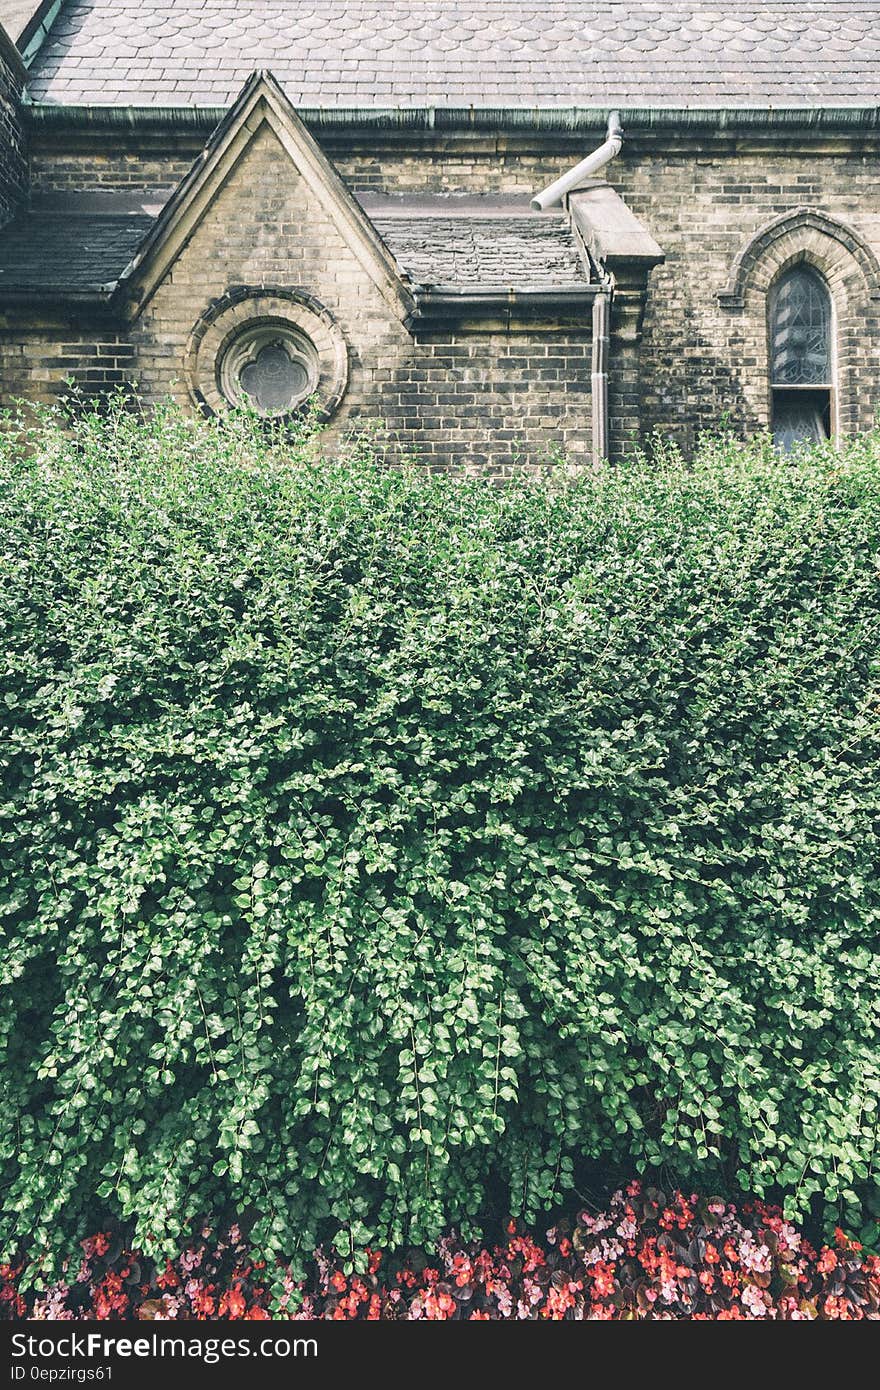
599	379
602	303
587	167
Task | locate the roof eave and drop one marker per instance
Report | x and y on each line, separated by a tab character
637	120
40	296
442	304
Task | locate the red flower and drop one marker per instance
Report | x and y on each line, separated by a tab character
618	1266
603	1280
827	1261
233	1304
168	1278
843	1241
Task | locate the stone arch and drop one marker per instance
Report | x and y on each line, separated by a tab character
839	252
851	271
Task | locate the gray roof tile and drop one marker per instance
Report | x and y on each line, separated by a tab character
54	252
495	52
14	15
523	253
83	242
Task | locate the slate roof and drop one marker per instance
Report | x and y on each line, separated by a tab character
79	244
495	53
56	253
523	253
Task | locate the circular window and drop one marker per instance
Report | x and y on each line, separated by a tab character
270	368
272	350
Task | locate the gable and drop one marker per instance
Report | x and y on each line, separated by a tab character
262	118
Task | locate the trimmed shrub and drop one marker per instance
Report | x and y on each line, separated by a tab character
648	1256
376	847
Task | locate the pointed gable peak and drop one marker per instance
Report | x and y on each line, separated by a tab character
261	104
261	87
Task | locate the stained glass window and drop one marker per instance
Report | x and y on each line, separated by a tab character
800	330
271	368
274	380
800	417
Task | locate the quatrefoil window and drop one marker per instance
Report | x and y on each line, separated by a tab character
274	380
270	367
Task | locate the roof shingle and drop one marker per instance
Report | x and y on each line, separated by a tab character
80	246
504	53
45	253
521	253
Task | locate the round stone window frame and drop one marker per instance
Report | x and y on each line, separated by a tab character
247	311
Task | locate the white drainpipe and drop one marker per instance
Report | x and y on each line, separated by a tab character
599	382
587	167
602	303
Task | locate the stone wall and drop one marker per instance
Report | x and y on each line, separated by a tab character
441	165
92	170
492	399
41	360
698	357
701	359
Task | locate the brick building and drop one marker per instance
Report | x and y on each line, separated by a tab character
334	199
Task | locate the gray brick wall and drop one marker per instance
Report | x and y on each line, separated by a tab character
41	360
699	359
491	398
477	164
95	169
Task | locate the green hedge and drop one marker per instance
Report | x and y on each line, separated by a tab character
370	841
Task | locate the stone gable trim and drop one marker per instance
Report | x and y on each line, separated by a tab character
10	55
262	103
789	237
612	233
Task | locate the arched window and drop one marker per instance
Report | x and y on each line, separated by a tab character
801	357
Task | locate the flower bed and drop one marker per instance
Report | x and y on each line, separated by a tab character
646	1256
